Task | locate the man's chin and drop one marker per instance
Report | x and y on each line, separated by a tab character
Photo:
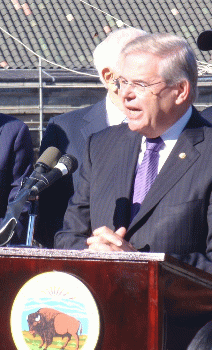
137	125
134	124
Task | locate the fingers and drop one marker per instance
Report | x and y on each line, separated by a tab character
121	232
111	236
101	230
104	235
104	239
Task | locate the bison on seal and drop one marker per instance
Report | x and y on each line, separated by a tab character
48	323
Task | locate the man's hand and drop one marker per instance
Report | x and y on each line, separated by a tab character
104	239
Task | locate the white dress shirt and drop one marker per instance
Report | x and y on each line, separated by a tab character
169	137
114	115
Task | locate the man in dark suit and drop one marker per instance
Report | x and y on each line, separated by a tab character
16	163
207	114
158	84
204	43
69	132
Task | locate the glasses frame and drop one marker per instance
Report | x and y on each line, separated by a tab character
140	87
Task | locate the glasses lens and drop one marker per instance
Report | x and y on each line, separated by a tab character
123	83
139	89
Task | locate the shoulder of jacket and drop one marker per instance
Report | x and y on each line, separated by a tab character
111	132
6	120
78	112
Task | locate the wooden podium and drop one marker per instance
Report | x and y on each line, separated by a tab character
146	301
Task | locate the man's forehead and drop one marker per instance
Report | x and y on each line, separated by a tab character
140	65
139	56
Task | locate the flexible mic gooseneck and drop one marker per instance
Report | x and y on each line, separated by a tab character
67	165
44	164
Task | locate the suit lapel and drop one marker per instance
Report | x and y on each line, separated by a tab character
182	157
95	119
127	156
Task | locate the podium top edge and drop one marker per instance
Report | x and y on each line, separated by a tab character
30	252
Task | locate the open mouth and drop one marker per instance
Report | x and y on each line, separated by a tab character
133	113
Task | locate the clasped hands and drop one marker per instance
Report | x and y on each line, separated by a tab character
104	239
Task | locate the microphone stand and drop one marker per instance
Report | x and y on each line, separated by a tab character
33	213
66	165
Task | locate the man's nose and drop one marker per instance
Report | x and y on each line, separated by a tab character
128	92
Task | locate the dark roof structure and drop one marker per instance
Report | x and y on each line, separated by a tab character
65	32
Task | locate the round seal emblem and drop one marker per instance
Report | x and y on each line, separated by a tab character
55	310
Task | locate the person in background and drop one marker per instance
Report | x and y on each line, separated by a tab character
16	163
69	132
207	114
204	43
203	338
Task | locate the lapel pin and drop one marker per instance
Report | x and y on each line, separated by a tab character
182	155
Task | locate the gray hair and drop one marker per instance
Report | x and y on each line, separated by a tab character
106	54
178	59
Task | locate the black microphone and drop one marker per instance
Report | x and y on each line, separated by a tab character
45	163
67	165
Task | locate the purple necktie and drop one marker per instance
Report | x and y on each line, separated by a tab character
146	173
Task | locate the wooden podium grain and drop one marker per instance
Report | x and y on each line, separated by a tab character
146	301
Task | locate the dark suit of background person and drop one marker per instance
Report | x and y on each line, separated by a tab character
69	132
203	338
207	114
16	163
204	43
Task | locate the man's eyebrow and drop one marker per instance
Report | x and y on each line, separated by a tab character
134	81
139	82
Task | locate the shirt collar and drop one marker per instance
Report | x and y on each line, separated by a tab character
175	130
171	135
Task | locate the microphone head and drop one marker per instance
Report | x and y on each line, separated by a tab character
70	162
49	158
204	41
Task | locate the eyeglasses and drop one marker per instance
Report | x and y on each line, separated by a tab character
122	83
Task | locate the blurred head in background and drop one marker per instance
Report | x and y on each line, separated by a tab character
106	59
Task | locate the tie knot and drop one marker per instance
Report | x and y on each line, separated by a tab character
154	144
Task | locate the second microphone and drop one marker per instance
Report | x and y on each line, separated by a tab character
67	164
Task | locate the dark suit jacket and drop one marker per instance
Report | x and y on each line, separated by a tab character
16	163
207	114
175	216
67	132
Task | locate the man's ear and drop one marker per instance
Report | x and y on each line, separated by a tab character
109	79
183	92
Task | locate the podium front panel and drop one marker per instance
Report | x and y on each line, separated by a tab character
125	289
